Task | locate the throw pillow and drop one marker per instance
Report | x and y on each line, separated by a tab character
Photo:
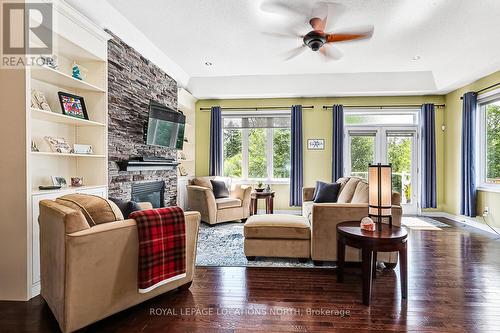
348	189
315	190
220	189
126	207
326	192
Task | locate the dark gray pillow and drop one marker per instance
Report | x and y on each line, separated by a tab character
126	207
326	192
220	189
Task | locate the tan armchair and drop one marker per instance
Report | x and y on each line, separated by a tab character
324	217
89	273
201	198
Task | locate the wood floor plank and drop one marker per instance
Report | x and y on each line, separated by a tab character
454	286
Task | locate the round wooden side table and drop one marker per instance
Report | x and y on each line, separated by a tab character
370	242
267	196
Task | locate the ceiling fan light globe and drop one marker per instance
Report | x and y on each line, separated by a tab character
315	45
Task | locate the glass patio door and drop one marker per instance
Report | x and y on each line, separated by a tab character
395	145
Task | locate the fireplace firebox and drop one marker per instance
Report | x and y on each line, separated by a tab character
153	192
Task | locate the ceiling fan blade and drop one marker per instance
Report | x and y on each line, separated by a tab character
317	23
294	52
319	16
282	34
330	52
362	33
333	12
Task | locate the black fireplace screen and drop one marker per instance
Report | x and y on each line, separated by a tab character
153	192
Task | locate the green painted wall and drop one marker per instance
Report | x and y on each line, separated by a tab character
453	120
318	125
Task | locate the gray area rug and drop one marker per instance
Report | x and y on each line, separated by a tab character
222	245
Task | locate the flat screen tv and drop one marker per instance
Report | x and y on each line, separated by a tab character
165	127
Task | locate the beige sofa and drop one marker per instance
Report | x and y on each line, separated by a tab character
351	205
314	234
89	273
201	198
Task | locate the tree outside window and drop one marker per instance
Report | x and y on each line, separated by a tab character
254	151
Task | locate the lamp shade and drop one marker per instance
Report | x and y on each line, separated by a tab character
380	190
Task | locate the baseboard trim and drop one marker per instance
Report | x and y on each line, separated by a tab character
35	289
463	219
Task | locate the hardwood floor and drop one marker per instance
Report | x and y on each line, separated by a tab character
454	286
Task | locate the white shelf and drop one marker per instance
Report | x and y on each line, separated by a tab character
43	153
60	79
62	119
182	161
36	191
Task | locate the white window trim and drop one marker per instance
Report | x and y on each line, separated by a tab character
245	144
482	100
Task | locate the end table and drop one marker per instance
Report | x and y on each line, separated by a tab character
370	242
267	196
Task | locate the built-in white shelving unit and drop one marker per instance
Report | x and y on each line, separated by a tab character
76	39
186	157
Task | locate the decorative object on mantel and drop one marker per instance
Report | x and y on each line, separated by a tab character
77	72
182	156
59	181
76	181
268	188
38	101
83	149
73	105
367	224
58	145
315	144
34	146
380	193
260	187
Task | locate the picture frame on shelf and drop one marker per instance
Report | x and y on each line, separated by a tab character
59	181
58	145
76	181
73	105
83	149
39	101
34	147
182	171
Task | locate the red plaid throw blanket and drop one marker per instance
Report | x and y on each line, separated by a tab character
162	246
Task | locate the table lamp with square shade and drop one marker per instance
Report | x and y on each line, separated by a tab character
380	193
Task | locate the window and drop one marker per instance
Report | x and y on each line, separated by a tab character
256	145
384	136
489	141
362	153
363	118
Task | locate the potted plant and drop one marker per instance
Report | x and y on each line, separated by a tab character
260	187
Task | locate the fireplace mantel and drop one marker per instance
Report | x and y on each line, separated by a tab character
137	165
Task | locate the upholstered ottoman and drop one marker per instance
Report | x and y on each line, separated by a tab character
277	235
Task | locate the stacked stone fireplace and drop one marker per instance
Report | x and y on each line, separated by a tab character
133	82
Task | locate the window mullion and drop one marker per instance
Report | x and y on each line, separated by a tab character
244	150
269	153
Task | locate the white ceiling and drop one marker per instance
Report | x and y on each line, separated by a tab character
456	40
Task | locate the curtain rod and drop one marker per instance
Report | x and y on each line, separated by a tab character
405	106
257	108
487	88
